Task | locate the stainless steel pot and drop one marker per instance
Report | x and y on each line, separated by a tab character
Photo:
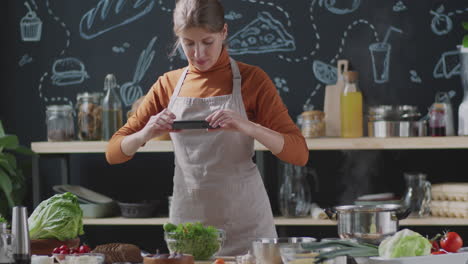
367	223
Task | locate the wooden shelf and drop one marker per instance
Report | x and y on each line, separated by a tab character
313	144
388	143
279	221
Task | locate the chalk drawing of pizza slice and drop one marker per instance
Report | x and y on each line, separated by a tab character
262	35
448	65
110	14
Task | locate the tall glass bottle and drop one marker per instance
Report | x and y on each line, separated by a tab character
294	194
111	108
351	107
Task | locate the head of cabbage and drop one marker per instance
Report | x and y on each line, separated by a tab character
405	243
59	217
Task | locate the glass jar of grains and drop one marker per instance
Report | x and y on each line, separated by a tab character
313	124
89	116
59	121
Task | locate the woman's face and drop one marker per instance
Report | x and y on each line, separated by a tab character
202	47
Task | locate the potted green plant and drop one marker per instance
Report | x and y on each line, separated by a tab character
12	180
465	38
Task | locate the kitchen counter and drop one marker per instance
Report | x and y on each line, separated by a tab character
280	221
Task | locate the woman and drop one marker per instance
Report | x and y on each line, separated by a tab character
215	180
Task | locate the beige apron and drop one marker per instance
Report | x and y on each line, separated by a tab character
216	182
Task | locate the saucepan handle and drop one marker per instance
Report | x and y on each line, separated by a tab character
331	213
403	213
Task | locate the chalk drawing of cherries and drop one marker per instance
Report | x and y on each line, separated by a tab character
131	91
441	23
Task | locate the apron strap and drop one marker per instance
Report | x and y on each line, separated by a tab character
236	78
177	88
236	87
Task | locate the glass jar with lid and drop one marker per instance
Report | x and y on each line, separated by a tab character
59	121
313	124
89	116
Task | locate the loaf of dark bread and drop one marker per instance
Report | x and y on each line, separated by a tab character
118	252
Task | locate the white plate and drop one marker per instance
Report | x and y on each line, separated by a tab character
454	258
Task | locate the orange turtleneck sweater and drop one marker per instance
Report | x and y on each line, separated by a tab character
261	99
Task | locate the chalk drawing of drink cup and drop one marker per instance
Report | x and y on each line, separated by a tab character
31	26
380	54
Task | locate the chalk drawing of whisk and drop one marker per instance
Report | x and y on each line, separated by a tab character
130	91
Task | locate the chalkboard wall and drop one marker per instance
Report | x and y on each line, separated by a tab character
404	51
56	49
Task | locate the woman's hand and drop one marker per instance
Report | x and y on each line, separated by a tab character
158	125
229	120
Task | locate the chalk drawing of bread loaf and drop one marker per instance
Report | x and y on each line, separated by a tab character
110	14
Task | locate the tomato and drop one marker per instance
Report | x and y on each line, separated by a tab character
56	250
64	252
451	242
440	252
63	247
74	251
84	249
219	261
435	246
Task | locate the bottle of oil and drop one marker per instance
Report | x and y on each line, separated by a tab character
351	107
111	108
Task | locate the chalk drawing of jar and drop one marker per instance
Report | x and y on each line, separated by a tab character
131	91
31	26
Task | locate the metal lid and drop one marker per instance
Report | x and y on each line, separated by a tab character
86	95
59	108
368	208
408	112
380	109
312	114
382	113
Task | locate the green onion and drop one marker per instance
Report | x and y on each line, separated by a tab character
342	248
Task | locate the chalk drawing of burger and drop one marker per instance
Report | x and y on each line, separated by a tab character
68	71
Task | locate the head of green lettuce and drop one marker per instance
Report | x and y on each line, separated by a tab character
59	217
405	243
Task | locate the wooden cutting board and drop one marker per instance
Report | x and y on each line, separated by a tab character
331	105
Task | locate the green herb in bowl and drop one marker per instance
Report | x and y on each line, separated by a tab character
193	238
